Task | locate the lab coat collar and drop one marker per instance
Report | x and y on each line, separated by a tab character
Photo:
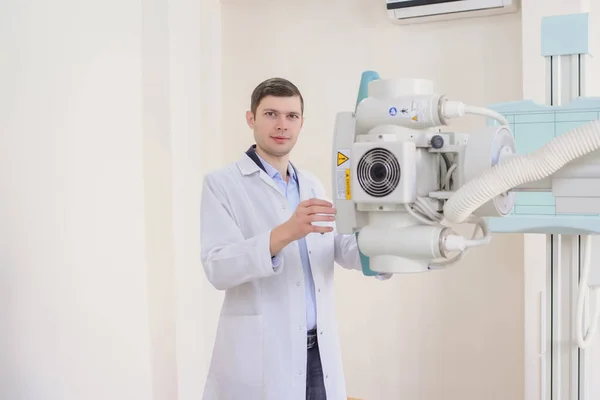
247	167
249	164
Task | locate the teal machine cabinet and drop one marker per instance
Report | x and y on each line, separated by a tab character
534	125
564	44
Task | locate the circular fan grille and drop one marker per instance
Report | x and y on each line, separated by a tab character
378	172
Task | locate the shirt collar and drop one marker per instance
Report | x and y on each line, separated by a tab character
273	173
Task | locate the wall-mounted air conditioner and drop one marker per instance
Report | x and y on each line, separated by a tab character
412	11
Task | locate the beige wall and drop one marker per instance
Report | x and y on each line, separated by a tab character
456	334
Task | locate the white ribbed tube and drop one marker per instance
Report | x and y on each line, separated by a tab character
522	169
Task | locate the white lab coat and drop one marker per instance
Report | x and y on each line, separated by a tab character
260	348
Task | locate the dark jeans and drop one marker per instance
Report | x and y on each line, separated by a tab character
315	387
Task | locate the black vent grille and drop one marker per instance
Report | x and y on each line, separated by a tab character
378	172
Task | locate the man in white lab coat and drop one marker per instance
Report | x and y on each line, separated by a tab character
277	337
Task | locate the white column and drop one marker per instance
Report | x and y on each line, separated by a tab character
537	248
100	148
196	86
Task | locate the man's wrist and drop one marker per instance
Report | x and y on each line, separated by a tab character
280	237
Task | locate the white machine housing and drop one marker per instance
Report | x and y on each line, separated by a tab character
413	11
390	155
402	184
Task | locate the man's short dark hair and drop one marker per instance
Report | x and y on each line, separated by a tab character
278	87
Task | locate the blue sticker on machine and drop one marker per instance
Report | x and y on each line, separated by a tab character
393	111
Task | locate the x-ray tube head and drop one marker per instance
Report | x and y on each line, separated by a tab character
384	166
401	182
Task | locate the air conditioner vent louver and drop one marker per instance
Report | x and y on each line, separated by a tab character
378	172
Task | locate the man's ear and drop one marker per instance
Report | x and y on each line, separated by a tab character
250	119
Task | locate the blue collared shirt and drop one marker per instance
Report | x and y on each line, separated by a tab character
291	191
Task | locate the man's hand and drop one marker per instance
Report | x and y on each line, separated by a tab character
300	223
309	211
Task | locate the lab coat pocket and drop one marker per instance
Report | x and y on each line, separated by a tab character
238	350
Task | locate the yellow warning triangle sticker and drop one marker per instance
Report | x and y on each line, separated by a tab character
341	158
415	118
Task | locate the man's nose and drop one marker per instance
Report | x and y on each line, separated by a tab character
282	123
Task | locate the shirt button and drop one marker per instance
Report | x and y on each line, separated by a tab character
297	283
300	327
321	332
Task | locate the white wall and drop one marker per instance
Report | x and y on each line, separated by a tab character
101	109
456	334
74	273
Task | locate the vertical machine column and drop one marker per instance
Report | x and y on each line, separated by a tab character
566	81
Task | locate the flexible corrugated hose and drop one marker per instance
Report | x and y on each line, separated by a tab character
522	169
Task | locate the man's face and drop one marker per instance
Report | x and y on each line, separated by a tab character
276	124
